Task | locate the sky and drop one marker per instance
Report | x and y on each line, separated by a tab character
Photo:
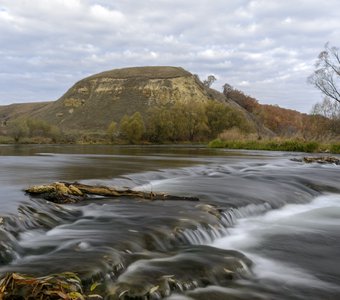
266	48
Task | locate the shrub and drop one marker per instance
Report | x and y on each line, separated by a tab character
335	148
6	140
271	145
217	143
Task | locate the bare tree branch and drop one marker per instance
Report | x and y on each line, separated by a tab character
326	77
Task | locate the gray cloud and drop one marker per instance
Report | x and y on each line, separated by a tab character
265	48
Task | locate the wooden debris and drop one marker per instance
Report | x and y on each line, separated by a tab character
63	192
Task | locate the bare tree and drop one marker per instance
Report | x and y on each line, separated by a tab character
328	109
227	89
209	81
326	76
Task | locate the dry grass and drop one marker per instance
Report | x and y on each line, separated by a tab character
235	134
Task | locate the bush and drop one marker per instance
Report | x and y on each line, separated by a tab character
217	143
335	148
36	140
6	140
312	147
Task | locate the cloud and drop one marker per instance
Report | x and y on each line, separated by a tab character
266	48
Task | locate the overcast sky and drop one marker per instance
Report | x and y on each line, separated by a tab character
266	48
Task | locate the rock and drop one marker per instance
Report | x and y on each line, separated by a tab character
188	269
322	160
211	209
318	159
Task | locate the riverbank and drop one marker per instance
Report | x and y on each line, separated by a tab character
277	145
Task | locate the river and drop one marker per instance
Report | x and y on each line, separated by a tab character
265	227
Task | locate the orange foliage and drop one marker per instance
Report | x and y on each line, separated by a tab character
282	121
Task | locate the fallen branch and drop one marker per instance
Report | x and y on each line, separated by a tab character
64	192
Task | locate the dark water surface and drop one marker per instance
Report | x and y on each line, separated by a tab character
265	227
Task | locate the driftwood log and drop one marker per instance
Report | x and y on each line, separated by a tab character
64	192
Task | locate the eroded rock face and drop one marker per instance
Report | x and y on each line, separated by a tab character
94	102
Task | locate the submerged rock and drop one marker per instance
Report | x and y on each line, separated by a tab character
185	270
318	159
147	277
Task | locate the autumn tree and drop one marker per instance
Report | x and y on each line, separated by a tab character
18	129
327	108
112	131
132	127
221	117
247	102
38	128
33	128
190	120
160	124
326	76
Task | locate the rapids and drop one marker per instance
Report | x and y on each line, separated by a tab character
266	227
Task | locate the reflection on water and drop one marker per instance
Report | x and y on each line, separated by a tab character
265	228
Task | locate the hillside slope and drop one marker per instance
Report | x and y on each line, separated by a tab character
19	110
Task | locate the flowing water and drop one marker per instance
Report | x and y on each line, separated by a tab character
265	227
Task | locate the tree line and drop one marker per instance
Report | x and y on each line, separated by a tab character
33	130
179	122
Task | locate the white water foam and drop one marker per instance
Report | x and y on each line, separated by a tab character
322	211
318	216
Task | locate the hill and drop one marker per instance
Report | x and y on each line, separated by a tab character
94	102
